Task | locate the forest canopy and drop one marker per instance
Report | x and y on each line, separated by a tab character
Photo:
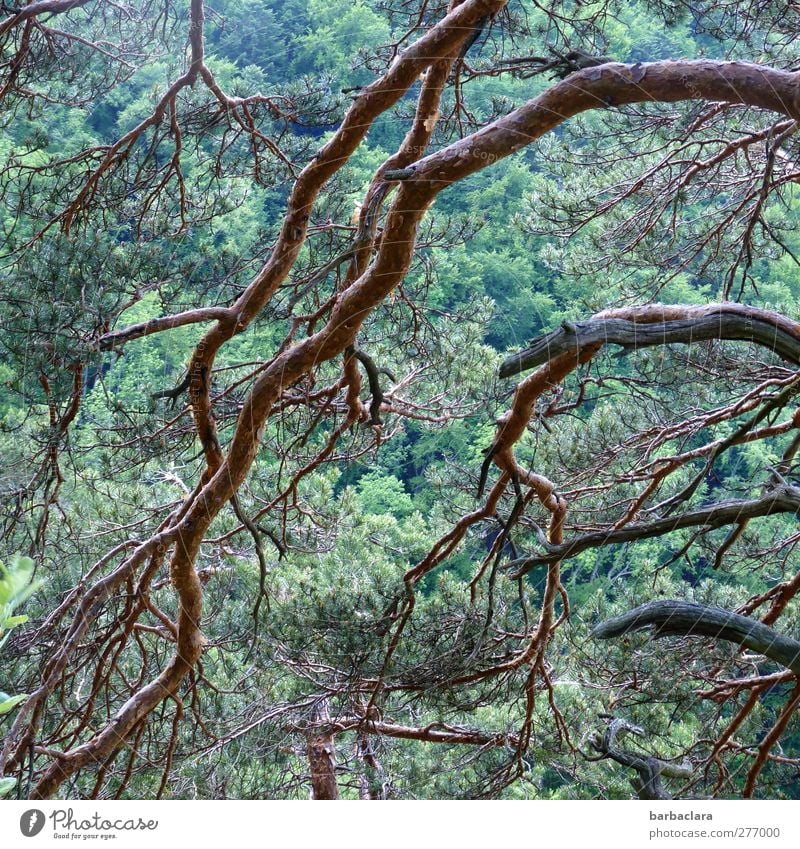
398	399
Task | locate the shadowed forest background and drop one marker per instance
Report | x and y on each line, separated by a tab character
373	374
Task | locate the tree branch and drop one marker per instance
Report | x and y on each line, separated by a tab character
681	618
699	324
650	769
782	499
44	7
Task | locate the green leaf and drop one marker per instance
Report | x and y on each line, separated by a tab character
16	586
10	704
15	620
6	786
14	581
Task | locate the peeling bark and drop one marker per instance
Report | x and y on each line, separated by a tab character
322	757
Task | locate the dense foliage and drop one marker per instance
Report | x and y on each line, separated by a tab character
337	617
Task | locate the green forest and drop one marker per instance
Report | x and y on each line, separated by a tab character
399	399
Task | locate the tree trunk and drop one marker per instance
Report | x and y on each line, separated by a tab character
322	757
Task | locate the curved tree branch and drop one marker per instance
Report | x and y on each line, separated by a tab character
652	325
43	7
782	499
650	769
592	88
682	618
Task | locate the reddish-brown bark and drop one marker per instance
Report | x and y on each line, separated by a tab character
367	285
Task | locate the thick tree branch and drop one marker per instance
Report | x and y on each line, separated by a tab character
117	338
33	10
596	87
681	618
698	324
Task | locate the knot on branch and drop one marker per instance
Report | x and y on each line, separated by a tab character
398	174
